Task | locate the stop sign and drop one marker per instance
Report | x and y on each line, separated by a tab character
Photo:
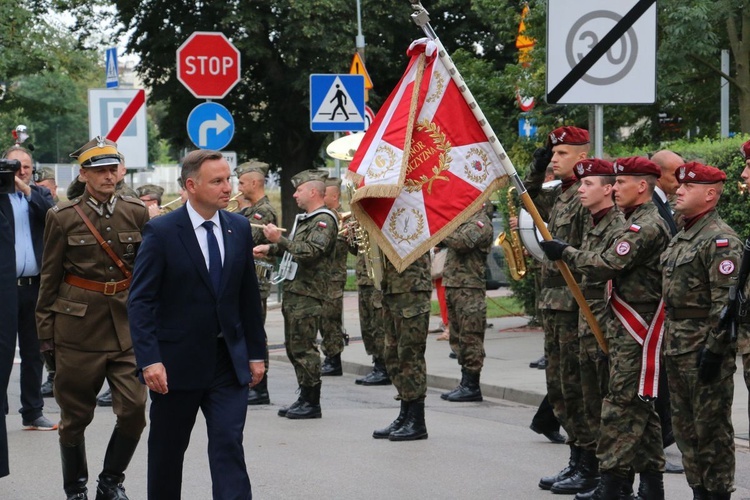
208	64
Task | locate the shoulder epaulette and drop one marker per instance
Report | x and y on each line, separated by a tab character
66	204
132	199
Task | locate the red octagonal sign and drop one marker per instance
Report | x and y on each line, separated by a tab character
208	65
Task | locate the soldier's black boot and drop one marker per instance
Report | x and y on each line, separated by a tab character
258	395
105	399
75	471
468	390
651	486
283	411
310	406
414	427
547	481
585	477
610	486
378	375
587	495
332	366
701	493
626	492
719	496
395	425
119	453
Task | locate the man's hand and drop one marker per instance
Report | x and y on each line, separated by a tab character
542	157
260	250
257	370
554	248
154	211
22	186
156	378
709	365
47	345
272	232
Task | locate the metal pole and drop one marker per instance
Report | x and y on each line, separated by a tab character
359	40
599	131
724	94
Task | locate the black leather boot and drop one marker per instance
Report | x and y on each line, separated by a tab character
610	486
575	454
258	395
75	471
378	375
332	367
586	495
719	496
414	427
585	477
310	406
395	425
119	453
105	399
468	390
283	411
651	486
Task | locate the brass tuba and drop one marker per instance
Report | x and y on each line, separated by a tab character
512	246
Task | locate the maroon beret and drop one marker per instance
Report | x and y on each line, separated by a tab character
573	136
694	172
746	150
593	166
636	165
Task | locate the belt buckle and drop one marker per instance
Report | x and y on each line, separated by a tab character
107	287
20	281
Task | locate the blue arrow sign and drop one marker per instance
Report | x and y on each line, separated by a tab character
210	126
337	103
111	74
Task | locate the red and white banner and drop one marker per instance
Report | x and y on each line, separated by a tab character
424	165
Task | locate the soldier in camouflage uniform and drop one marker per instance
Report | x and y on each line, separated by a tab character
45	176
252	185
151	195
630	432
406	316
700	265
559	310
465	291
743	338
78	186
312	248
331	325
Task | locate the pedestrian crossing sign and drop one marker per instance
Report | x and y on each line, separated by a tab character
337	103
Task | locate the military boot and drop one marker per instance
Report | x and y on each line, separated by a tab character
75	471
468	390
283	411
547	481
119	453
719	496
105	399
258	395
610	486
332	366
395	425
414	427
585	477
378	375
310	406
651	486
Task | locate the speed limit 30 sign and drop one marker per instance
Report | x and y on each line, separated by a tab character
601	52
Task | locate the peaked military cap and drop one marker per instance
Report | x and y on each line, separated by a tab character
593	167
150	190
636	165
98	152
309	175
694	172
333	181
252	166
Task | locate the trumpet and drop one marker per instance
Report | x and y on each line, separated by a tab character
167	207
234	204
742	188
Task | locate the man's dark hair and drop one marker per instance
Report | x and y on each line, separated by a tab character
193	161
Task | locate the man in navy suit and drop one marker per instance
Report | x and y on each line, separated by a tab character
9	299
25	210
197	328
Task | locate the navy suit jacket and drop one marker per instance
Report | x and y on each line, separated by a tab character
175	316
8	325
41	201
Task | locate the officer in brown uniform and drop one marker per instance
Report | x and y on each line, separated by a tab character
252	185
82	317
308	254
77	187
331	325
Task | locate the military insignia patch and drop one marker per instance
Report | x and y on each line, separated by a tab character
322	224
726	267
634	227
480	223
722	242
257	216
622	248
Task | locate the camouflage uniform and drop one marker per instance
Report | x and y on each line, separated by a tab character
370	311
464	281
406	317
700	265
594	365
262	213
331	324
312	246
630	432
558	308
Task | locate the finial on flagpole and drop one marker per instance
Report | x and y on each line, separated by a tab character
421	17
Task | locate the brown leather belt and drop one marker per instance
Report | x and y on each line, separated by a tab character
107	288
678	313
558	281
596	293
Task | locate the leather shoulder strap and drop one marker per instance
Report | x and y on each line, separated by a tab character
104	244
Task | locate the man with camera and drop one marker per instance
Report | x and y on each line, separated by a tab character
25	206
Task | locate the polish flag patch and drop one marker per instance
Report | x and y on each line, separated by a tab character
726	267
322	224
722	242
635	228
480	223
257	216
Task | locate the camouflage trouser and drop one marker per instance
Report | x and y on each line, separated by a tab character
630	432
406	318
594	382
331	324
301	323
467	314
563	370
371	320
702	422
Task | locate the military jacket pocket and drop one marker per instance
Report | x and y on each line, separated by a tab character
83	239
416	310
131	237
69	307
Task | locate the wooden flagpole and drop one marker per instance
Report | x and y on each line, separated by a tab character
422	19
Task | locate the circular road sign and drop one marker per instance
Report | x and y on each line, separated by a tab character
208	65
210	126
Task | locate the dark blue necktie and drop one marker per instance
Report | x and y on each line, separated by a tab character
214	255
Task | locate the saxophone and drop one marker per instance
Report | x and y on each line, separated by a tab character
512	247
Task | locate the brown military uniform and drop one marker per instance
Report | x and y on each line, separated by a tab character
90	328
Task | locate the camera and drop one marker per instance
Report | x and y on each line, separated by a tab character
8	169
